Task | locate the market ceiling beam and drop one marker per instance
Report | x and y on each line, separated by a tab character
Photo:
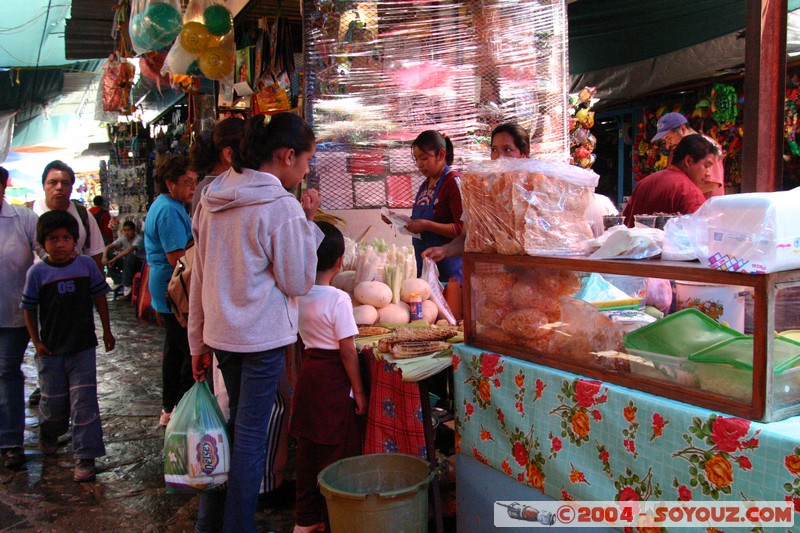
764	89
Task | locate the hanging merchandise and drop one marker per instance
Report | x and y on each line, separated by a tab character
271	99
205	44
154	24
150	65
582	142
281	56
116	84
723	103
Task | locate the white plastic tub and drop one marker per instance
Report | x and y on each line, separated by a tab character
723	303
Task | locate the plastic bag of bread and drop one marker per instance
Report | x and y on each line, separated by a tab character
583	330
525	206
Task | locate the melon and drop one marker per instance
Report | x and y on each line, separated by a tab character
374	293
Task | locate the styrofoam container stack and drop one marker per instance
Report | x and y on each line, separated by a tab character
754	232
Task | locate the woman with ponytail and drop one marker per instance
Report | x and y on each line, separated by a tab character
256	252
436	214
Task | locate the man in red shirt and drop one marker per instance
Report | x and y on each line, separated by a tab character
675	189
672	127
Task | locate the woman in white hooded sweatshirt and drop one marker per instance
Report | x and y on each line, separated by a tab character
255	253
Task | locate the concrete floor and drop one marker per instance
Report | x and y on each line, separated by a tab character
129	493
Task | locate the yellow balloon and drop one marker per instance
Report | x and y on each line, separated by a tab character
195	37
216	63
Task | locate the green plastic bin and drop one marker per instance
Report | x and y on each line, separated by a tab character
377	493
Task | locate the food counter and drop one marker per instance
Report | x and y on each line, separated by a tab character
558	398
523	306
571	437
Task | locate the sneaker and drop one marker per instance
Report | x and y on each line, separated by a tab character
84	470
127	291
35	397
48	445
14	458
164	419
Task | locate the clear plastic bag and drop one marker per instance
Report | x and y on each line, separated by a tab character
526	206
116	85
430	273
196	444
154	24
205	44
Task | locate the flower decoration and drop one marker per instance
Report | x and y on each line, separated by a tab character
722	445
578	398
658	426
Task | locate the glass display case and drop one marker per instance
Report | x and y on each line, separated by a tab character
721	340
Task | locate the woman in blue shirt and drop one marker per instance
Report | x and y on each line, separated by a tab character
167	234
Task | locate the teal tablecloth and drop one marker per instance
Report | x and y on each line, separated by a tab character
579	439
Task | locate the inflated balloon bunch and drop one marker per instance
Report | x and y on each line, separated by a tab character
154	24
582	142
205	46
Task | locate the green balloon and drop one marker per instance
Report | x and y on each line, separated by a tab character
137	33
218	19
162	24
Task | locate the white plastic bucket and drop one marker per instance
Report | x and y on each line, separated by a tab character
723	303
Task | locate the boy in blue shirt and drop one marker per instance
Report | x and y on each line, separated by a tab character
59	294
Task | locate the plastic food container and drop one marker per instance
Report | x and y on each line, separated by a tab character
677	369
679	335
793	334
727	369
737	383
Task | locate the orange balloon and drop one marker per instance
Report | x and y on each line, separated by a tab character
195	37
216	63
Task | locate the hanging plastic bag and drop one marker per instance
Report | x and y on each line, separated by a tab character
116	84
196	444
430	273
154	24
205	45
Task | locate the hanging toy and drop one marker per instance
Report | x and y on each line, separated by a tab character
218	19
195	37
216	63
161	23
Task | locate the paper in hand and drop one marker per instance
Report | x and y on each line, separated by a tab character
399	221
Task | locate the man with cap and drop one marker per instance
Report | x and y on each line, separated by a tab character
675	189
671	128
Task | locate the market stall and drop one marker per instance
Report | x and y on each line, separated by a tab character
585	379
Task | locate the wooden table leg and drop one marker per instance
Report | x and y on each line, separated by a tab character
430	445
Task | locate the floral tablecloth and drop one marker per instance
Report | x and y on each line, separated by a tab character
579	439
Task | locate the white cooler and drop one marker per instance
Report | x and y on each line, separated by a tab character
754	232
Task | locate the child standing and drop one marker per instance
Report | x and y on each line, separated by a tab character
329	392
58	295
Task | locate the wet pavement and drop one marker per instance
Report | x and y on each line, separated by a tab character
129	493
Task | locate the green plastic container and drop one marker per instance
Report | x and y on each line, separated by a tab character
727	369
739	353
377	493
680	334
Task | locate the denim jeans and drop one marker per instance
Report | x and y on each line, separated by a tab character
130	266
252	381
69	390
13	342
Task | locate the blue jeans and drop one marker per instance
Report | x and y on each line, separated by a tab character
252	381
69	390
13	342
